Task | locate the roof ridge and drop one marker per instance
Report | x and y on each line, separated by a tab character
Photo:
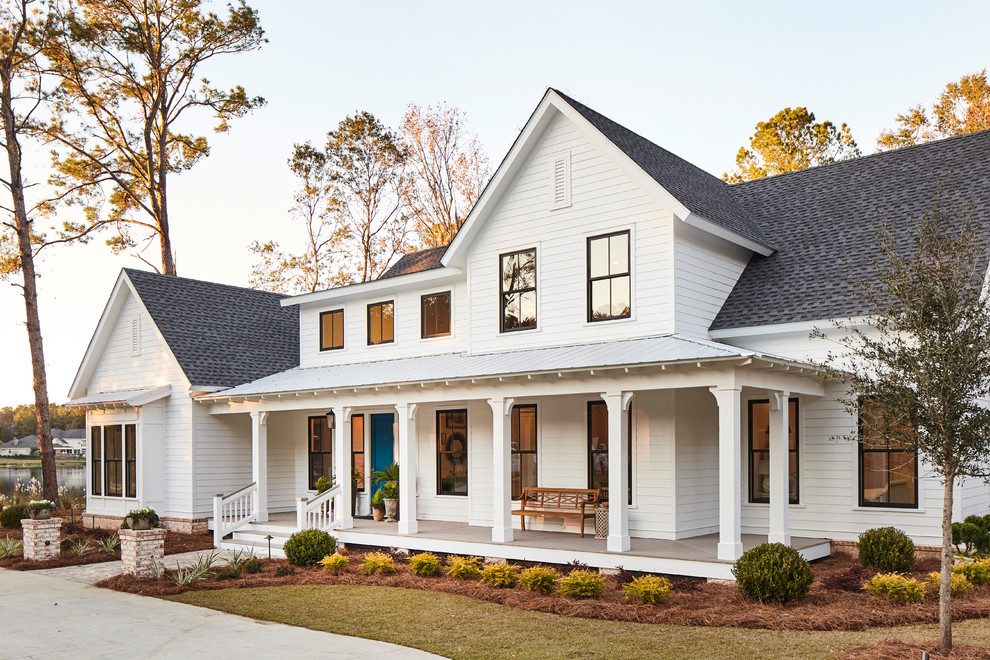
142	273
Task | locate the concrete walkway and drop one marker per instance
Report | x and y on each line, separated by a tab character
93	573
50	618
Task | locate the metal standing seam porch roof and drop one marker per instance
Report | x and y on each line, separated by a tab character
453	366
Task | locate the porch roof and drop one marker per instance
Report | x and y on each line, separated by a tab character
647	351
133	398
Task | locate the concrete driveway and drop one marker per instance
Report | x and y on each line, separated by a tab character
47	617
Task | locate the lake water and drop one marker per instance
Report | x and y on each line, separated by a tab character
73	476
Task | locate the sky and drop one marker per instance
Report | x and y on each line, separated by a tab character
693	77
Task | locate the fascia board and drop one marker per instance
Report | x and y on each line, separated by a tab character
365	289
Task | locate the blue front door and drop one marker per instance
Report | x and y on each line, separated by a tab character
381	443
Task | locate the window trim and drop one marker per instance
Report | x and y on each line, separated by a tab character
860	492
377	304
342	329
752	499
118	462
96	460
591	452
363	481
610	276
310	482
536	446
450	314
502	292
467	490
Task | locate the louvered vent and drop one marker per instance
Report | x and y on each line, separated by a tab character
136	336
561	181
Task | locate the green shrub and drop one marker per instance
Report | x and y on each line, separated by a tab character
390	490
378	500
650	589
10	547
463	568
81	547
335	563
378	562
886	549
227	574
252	565
580	583
896	588
323	485
539	578
426	564
12	515
977	572
972	536
284	569
772	572
500	576
309	546
959	586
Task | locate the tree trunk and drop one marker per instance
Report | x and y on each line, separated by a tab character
944	589
49	480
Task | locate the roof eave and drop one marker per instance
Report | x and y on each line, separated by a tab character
395	283
728	235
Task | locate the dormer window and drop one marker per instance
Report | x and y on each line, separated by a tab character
435	313
608	277
332	330
518	284
381	320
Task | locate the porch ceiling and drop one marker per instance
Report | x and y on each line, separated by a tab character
664	350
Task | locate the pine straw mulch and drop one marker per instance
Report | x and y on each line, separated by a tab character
893	649
692	601
174	543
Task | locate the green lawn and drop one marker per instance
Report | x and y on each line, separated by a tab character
460	627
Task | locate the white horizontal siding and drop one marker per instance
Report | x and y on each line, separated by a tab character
706	270
696	423
223	456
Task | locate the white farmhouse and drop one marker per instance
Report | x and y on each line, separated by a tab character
610	317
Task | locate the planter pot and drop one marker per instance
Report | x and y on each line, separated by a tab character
354	494
391	509
140	523
39	514
379	513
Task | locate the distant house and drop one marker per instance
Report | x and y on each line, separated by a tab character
65	443
19	446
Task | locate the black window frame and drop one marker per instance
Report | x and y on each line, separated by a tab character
380	329
464	451
753	499
515	425
422	315
610	276
322	453
130	460
96	460
113	461
332	312
503	293
364	464
592	452
878	450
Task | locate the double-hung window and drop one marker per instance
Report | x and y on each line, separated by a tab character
759	451
608	277
332	330
357	450
598	448
381	317
452	452
523	448
113	460
96	460
888	462
435	314
518	290
320	450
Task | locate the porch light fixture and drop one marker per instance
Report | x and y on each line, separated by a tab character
331	419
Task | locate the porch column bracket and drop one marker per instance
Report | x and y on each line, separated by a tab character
729	401
407	468
259	462
501	468
779	530
618	474
342	465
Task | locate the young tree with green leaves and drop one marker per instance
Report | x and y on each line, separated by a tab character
22	31
918	369
964	107
791	140
127	72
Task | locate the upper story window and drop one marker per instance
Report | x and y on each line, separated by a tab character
435	313
332	330
518	286
608	277
888	465
381	320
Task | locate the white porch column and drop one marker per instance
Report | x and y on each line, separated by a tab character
407	468
780	527
618	470
729	472
342	464
501	469
259	462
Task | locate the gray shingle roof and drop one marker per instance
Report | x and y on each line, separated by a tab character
703	194
825	221
416	262
221	335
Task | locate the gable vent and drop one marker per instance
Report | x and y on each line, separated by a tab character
136	336
561	180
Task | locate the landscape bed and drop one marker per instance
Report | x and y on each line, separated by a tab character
692	602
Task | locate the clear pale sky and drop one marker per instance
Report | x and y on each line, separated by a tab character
693	77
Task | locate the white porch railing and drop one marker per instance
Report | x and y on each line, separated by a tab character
321	512
231	512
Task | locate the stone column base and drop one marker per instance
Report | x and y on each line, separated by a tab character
41	538
139	549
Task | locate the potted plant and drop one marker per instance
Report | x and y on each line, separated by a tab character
386	474
378	505
40	509
390	492
145	518
323	485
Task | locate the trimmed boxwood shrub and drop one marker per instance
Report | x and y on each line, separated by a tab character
463	568
426	564
378	562
772	572
582	584
650	589
500	576
309	546
11	516
886	549
539	578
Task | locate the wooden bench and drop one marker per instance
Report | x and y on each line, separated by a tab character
577	503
